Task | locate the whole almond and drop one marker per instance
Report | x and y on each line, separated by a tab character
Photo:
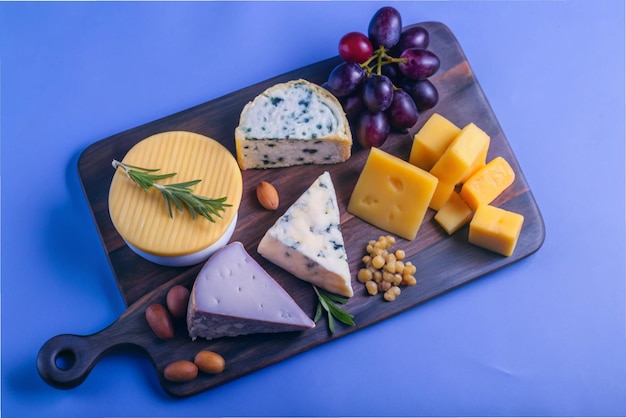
180	371
160	321
177	300
209	362
267	195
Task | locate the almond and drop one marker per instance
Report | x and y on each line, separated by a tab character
180	371
267	195
177	300
160	321
209	362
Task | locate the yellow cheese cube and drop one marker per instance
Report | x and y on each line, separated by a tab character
495	229
463	156
430	142
454	214
487	183
392	194
442	194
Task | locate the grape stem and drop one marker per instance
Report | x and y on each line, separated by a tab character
375	63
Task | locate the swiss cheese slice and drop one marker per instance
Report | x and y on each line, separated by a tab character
233	295
141	216
307	241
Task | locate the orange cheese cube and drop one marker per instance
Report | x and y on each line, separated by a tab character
430	142
454	214
466	154
442	194
392	194
495	229
487	183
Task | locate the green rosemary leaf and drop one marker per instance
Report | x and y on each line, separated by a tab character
341	315
326	301
178	194
337	299
323	302
184	186
148	170
331	323
171	197
318	313
168	202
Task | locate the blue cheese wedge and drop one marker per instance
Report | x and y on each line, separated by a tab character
293	123
307	241
233	295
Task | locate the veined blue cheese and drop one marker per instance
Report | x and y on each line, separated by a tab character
292	123
307	241
233	295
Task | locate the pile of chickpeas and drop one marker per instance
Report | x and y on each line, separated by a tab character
385	271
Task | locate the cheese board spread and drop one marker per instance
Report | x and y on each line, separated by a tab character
436	260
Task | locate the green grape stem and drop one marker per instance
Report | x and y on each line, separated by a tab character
379	58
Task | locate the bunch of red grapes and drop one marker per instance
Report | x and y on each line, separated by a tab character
383	82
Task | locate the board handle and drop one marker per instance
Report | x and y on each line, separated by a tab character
64	361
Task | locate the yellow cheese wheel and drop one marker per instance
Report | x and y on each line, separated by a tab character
142	218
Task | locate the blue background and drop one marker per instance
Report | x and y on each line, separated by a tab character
544	336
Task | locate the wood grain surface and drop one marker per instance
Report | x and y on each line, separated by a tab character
443	262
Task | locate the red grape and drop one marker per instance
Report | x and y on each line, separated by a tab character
345	78
352	104
385	27
355	47
392	72
372	129
377	93
420	63
412	37
403	112
423	92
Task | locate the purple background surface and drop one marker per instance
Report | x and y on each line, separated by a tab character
545	336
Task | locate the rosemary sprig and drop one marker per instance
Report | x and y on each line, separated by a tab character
326	302
178	194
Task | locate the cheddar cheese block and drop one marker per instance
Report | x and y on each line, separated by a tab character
307	241
141	216
431	141
233	295
453	214
487	183
495	229
442	193
292	123
392	194
464	156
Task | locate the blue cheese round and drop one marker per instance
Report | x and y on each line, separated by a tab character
292	123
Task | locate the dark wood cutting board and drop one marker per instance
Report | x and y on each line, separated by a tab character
443	262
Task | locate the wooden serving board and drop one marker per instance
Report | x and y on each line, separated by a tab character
443	262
